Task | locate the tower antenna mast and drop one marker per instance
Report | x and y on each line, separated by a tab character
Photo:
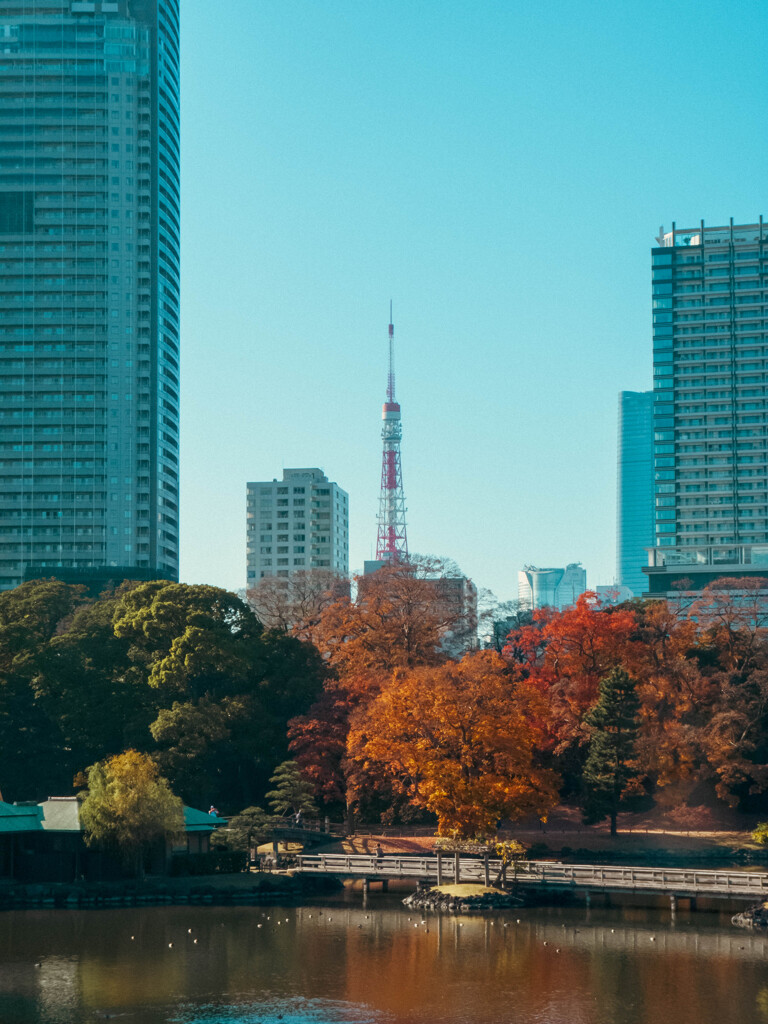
392	542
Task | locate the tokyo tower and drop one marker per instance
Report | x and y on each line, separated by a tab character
391	543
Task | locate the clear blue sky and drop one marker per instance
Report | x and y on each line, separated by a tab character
499	169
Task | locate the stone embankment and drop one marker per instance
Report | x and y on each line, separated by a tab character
263	889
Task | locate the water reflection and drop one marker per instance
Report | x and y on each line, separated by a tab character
347	962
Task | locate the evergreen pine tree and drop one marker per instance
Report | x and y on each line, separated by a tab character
291	791
614	724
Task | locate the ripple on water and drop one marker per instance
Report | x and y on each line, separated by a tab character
281	1011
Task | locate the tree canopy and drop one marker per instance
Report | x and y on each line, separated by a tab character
129	806
458	739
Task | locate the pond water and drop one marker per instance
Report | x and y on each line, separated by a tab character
343	961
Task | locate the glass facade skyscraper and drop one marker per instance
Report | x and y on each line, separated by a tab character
711	403
635	533
89	286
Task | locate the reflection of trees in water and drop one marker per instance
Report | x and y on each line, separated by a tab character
559	965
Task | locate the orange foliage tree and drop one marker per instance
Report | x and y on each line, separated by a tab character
398	620
565	655
459	740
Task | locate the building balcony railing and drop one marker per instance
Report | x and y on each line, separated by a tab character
709	554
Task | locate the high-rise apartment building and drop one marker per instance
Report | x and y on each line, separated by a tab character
300	522
550	588
634	497
89	286
711	404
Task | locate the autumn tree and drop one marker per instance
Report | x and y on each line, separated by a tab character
458	740
732	650
129	807
498	619
295	603
564	654
399	618
610	766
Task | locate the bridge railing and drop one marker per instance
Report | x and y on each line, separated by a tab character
544	873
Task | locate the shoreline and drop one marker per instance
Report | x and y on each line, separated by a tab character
214	890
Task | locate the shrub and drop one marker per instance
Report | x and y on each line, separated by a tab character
217	862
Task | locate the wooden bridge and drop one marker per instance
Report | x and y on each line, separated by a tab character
545	875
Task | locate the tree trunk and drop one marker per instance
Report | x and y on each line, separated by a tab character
613	823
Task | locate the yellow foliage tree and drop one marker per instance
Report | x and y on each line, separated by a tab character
129	806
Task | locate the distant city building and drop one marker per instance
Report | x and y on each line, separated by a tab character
89	288
634	492
614	593
460	595
553	588
299	522
710	342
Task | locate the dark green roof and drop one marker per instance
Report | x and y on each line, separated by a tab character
24	818
199	821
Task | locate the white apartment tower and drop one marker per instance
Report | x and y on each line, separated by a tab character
300	522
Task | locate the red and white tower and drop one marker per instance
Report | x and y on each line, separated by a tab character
392	543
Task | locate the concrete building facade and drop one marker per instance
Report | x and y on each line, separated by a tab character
634	489
553	588
300	522
89	286
710	428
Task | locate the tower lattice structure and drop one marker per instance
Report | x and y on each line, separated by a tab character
391	543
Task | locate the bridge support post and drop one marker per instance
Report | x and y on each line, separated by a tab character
673	904
439	868
385	885
588	898
457	867
693	903
487	868
366	885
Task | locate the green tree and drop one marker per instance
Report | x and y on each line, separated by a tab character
129	807
609	769
224	688
251	826
291	791
88	687
33	762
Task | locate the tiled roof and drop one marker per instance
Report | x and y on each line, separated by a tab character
61	814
